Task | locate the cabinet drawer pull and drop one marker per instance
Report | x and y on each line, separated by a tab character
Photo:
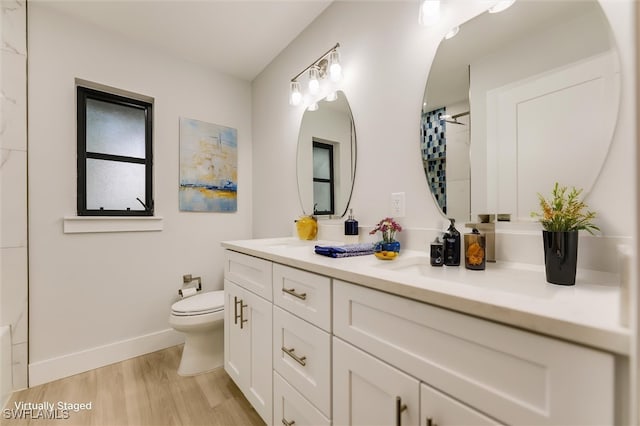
238	316
286	423
235	309
292	291
430	422
300	360
242	320
400	407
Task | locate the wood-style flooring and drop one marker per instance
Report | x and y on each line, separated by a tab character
142	391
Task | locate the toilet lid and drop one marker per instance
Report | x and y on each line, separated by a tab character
202	303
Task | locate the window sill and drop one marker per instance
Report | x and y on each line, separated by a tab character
95	224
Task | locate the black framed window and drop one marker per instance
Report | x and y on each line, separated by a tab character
114	154
323	178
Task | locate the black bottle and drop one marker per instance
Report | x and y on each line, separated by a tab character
350	225
437	253
452	245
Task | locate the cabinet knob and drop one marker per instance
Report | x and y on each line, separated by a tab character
400	407
286	423
430	422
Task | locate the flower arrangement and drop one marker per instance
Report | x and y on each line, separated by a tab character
388	227
565	211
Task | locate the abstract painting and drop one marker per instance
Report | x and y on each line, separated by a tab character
208	167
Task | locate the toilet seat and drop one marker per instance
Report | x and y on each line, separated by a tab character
204	303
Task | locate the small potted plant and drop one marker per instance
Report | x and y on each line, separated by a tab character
388	227
562	216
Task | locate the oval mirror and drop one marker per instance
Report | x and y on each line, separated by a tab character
326	160
517	101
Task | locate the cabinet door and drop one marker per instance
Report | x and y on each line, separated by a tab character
291	408
367	391
248	347
438	409
236	339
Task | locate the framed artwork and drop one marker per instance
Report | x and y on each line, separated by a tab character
208	167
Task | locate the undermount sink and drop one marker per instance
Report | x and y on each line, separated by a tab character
413	265
294	242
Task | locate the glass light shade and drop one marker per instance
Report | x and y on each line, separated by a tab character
295	97
335	69
332	96
314	84
429	12
452	33
313	107
501	6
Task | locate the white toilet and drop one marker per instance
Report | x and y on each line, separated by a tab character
201	318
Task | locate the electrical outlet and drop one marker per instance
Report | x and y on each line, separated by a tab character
397	204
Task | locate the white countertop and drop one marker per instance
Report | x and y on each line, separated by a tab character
514	294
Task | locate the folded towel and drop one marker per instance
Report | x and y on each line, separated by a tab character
346	250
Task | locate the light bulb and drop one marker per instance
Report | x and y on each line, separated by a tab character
314	84
429	12
332	96
335	69
295	97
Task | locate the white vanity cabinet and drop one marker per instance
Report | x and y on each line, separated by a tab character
301	346
510	375
307	348
247	329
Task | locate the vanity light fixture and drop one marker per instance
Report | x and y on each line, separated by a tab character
501	6
452	33
429	12
328	64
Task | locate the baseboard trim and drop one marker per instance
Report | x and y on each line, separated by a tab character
78	362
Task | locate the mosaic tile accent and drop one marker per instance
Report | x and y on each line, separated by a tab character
434	154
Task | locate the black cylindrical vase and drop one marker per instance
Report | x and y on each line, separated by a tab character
560	256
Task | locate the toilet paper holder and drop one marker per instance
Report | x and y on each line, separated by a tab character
188	279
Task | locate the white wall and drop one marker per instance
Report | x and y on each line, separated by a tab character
98	298
386	57
13	191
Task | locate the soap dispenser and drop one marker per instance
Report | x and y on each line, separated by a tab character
437	252
452	245
351	229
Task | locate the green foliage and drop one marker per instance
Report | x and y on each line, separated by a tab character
565	211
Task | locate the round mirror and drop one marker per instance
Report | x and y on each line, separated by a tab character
326	158
516	101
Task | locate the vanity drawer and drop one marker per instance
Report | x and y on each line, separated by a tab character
249	272
289	407
512	375
441	409
304	294
302	355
